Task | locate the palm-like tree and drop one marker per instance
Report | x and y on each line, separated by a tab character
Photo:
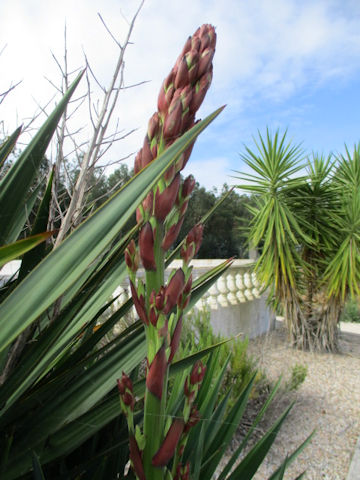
307	223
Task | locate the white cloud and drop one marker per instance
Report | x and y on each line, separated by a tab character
210	172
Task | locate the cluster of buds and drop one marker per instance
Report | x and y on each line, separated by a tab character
193	381
181	95
132	258
127	399
193	420
192	243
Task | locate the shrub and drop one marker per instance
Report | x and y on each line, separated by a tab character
298	375
198	334
351	311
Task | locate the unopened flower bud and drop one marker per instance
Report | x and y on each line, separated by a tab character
188	186
132	256
146	246
197	373
153	126
156	374
193	419
175	340
165	201
168	447
135	457
171	235
192	243
139	304
173	290
172	122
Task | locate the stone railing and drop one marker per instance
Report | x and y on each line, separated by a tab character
235	303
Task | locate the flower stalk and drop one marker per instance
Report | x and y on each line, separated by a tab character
160	304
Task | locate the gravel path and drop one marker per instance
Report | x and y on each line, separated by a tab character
328	400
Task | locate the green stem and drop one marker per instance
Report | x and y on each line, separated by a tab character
154	409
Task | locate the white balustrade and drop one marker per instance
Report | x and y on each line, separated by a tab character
235	301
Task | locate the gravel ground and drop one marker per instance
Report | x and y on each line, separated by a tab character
328	400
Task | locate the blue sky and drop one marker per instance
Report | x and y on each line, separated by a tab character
279	63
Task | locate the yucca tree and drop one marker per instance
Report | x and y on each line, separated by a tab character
306	224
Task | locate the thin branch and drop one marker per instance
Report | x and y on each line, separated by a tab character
109	32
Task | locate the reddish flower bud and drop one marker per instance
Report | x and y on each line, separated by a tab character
183	301
156	374
126	380
187	288
146	246
148	202
184	208
129	400
205	61
153	316
121	387
139	304
139	215
166	94
186	96
165	201
189	392
192	243
135	457
186	47
153	126
182	472
125	389
175	340
188	186
168	447
192	60
170	173
132	256
174	289
160	299
137	163
197	373
196	43
171	235
193	419
172	122
200	91
181	78
146	155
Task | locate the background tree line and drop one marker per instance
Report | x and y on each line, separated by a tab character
225	231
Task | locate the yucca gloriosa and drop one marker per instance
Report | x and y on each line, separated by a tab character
59	400
307	228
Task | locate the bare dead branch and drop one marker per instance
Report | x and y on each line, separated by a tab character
109	32
3	95
100	125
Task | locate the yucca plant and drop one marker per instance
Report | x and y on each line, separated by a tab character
60	413
307	229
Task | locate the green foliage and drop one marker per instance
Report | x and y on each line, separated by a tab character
298	375
351	311
307	229
224	232
198	334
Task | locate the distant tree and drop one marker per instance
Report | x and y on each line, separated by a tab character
224	231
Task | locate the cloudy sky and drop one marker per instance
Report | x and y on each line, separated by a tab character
281	64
